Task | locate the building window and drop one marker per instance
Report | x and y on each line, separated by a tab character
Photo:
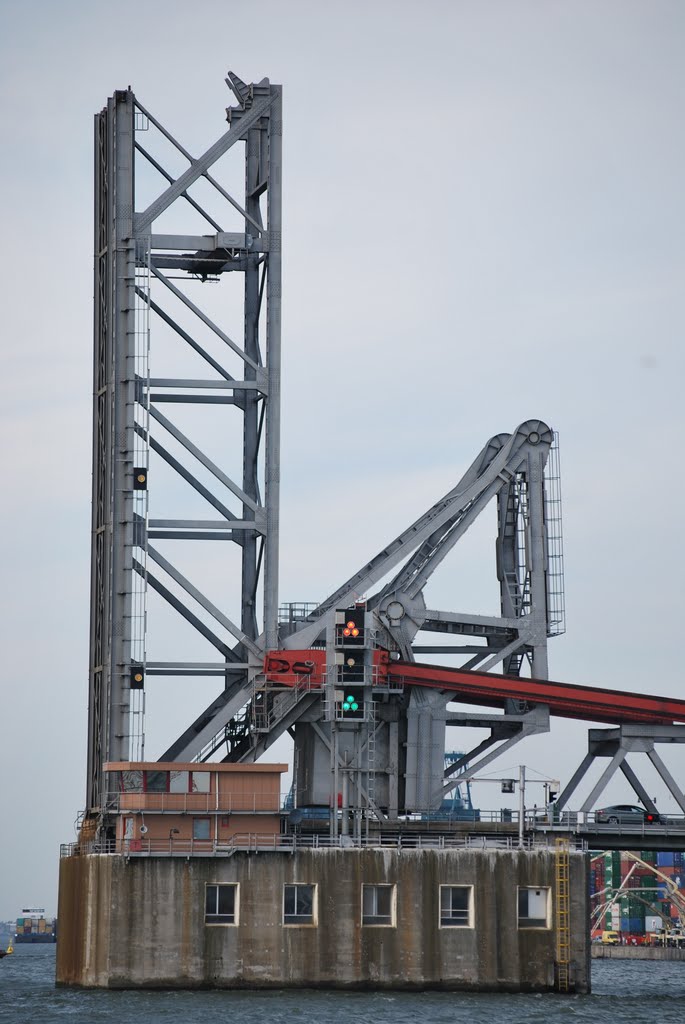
200	828
131	781
200	782
378	905
179	782
533	908
221	904
156	782
299	904
456	906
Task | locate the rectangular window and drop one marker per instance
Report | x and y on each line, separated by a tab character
456	906
200	828
378	905
533	908
156	782
131	781
221	904
178	782
298	904
128	828
200	782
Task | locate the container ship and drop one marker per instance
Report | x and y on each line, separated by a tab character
33	926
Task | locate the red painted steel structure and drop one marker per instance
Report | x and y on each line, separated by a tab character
565	700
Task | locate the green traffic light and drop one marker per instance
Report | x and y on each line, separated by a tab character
350	704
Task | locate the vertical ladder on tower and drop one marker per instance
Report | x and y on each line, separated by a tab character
562	916
370	763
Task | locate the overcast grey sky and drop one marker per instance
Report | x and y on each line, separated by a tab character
484	219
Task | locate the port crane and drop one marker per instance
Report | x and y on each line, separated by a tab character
675	895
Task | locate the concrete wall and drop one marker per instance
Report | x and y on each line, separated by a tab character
140	922
637	953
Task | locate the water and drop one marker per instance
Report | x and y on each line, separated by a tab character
625	992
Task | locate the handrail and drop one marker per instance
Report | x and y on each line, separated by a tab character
255	842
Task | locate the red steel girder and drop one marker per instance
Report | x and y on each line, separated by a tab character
566	700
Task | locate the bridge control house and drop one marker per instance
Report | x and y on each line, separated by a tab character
193	808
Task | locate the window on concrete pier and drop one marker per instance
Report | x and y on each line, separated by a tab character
221	904
378	905
299	904
456	906
533	908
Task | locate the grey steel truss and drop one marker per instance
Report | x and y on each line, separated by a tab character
154	273
616	744
401	750
395	763
144	278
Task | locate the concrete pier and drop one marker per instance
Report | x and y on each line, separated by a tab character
463	919
637	953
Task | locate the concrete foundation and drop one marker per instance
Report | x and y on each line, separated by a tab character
141	921
637	953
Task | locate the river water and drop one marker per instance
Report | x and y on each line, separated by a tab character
624	992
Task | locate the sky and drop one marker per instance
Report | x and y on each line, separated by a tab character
483	223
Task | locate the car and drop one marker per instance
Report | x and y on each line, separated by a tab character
627	814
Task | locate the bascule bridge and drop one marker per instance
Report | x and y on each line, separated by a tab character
187	392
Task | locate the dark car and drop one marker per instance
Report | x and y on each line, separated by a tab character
626	814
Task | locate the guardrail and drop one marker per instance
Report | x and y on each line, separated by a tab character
255	842
194	803
600	821
492	829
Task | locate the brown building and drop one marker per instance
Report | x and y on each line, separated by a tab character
191	808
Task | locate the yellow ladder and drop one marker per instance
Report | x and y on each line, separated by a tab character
562	909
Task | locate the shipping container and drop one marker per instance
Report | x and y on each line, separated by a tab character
633	925
664	860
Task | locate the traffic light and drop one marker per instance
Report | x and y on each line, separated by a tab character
139	478
137	677
352	668
352	704
352	630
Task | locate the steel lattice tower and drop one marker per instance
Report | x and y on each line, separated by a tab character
131	435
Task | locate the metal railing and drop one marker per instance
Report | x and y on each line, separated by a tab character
599	821
254	842
431	830
194	803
